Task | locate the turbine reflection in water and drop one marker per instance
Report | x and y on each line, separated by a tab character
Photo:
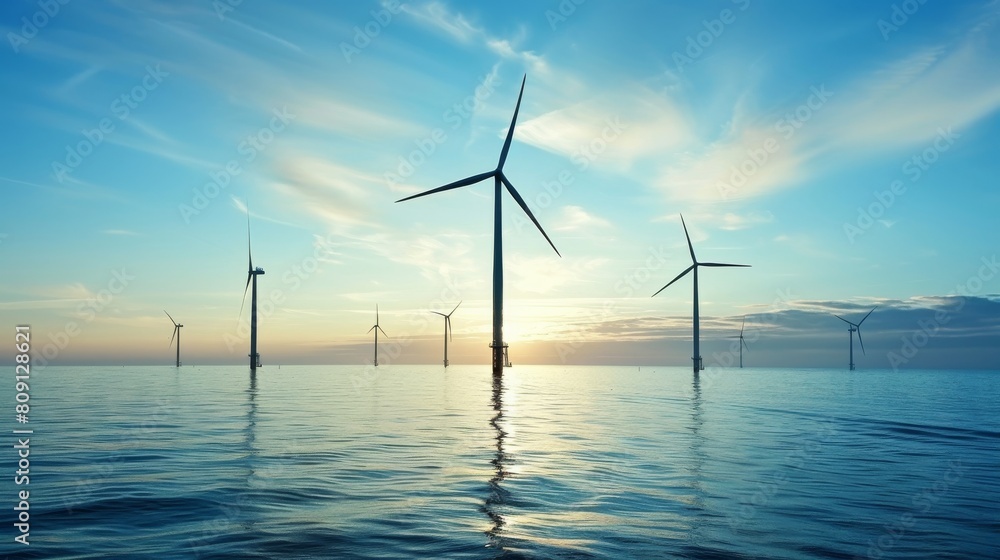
697	460
243	504
497	499
245	501
251	421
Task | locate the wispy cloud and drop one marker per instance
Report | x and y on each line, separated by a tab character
614	130
908	101
437	16
734	221
65	296
904	103
337	193
266	35
575	218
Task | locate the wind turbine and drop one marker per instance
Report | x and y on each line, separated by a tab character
252	274
499	347
376	328
851	327
447	331
177	333
742	342
698	365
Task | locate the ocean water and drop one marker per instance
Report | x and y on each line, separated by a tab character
549	462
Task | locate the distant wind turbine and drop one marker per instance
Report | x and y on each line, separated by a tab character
177	333
500	358
851	327
742	342
376	328
698	365
252	275
447	331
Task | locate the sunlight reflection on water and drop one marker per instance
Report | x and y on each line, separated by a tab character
545	462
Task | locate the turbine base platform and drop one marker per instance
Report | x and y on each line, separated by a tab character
699	364
501	357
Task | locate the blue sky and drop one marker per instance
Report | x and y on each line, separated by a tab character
847	151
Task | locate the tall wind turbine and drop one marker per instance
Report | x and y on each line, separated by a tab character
742	342
499	347
177	333
447	331
252	274
851	327
698	365
376	328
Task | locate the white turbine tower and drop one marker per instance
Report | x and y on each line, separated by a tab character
696	358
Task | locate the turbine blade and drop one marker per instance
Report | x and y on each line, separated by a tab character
510	131
460	183
690	246
686	270
844	320
376	314
524	206
171	318
743	325
861	341
244	302
744	344
866	316
447	324
171	343
456	307
723	264
439	313
371	329
249	252
383	332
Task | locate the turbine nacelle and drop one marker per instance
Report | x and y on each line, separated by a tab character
176	334
851	328
447	320
497	174
177	326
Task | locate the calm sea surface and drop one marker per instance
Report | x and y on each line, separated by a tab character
554	462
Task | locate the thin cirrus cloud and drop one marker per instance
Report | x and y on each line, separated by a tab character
611	130
337	193
914	99
436	16
576	218
909	101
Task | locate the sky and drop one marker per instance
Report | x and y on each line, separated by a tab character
847	151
